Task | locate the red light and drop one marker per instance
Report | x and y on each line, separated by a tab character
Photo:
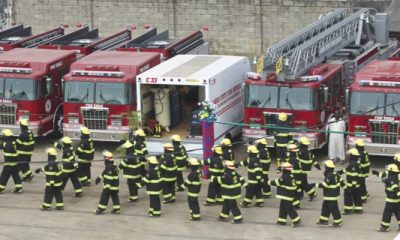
133	27
205	28
146	26
78	25
13	23
65	25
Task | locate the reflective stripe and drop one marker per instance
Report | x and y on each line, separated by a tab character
169	168
230	197
193	194
131	176
153	192
68	170
330	198
25	152
110	177
25	143
282	220
391	200
223	215
216	170
323	218
168	179
237	185
284	198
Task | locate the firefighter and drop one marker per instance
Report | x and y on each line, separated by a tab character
168	172
193	184
282	138
254	186
231	183
331	190
227	151
265	162
392	205
293	159
307	160
85	155
215	170
396	159
384	174
131	169
153	182
364	168
181	157
25	145
286	191
141	148
352	196
69	165
110	185
10	168
53	173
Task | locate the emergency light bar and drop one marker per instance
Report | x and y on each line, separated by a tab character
378	83
15	70
97	73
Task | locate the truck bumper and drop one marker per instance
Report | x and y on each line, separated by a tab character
16	129
98	135
378	149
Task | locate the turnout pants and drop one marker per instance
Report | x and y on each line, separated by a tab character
280	155
84	174
253	190
49	194
133	188
298	194
24	167
179	180
230	206
390	209
363	189
155	205
328	208
214	193
10	171
266	188
352	197
286	209
305	186
105	197
194	207
74	179
168	190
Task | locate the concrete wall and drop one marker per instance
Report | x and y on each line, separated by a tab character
240	27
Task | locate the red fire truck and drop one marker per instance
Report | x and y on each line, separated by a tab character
305	74
100	92
374	103
30	87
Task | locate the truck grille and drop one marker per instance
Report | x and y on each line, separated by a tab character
8	114
271	119
384	132
95	118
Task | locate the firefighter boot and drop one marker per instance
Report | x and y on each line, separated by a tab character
382	229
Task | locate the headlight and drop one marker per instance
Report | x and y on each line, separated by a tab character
73	118
116	120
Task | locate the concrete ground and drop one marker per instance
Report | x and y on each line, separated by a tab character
22	219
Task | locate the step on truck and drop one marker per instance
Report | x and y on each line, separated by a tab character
30	88
305	74
170	93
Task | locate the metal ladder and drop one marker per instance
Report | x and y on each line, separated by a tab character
35	40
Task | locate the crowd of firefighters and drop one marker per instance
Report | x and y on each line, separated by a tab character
163	176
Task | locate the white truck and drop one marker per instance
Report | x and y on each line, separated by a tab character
169	94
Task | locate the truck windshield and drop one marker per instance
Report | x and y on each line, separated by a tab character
113	93
367	103
19	88
79	92
393	105
261	96
297	98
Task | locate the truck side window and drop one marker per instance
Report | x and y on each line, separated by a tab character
337	83
48	85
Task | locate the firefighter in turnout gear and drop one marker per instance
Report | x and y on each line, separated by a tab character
364	168
307	160
153	182
293	159
265	162
392	205
168	172
25	145
69	165
181	157
141	148
286	191
131	170
352	195
53	173
331	190
85	155
215	170
282	138
110	185
254	186
11	167
193	184
227	152
231	183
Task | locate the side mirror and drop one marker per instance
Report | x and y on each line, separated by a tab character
326	94
62	85
347	98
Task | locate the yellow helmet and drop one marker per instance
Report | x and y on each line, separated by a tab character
286	166
127	144
392	167
140	133
282	116
152	160
176	138
217	149
230	164
7	132
252	149
23	122
52	151
329	164
85	130
107	154
168	146
194	161
397	157
359	142
66	140
354	152
293	148
304	141
261	141
226	142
